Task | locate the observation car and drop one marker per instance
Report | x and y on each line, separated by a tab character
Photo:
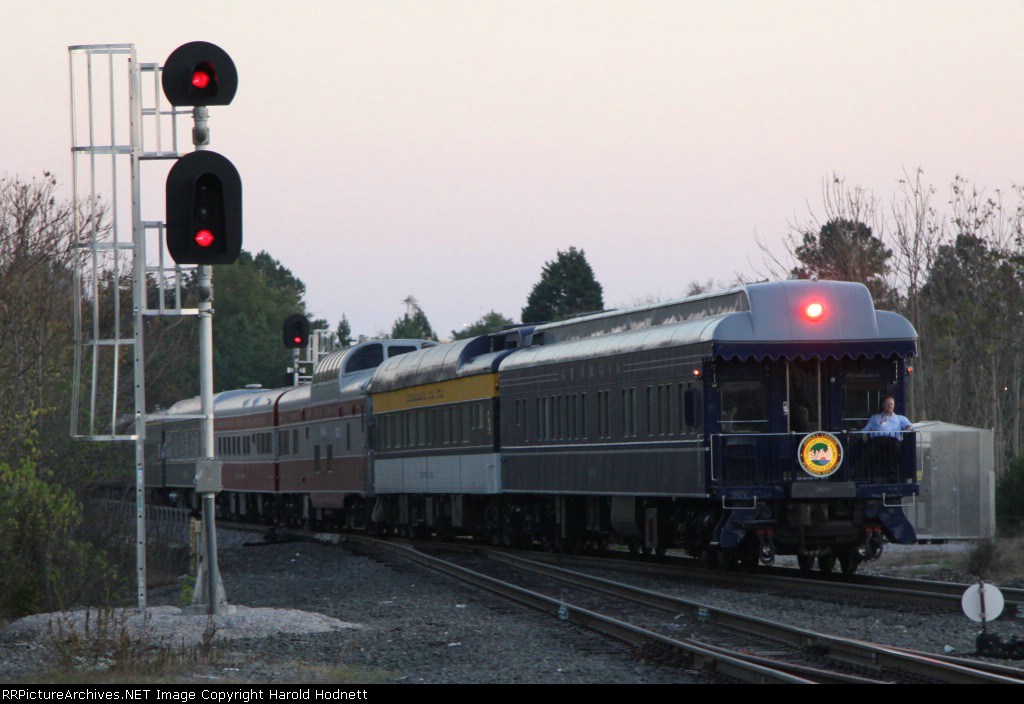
682	425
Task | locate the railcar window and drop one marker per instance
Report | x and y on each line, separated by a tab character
367	357
804	396
330	458
691	411
666	410
572	430
650	411
348	435
743	407
863	399
625	413
295	440
395	350
582	415
634	415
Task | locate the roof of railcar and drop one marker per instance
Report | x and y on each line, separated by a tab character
230	402
757	320
330	380
461	358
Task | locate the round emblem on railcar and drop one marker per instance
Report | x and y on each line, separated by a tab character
820	454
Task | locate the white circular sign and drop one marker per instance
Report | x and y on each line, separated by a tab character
971	602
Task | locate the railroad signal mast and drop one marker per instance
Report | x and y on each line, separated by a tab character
204	227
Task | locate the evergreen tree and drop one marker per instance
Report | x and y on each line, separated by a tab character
846	250
344	331
252	298
414	324
488	323
567	287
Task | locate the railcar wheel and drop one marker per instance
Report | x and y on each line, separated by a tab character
805	562
826	563
848	563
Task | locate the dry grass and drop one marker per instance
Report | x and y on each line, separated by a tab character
104	645
1000	561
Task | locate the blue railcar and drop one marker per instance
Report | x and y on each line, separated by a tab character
681	424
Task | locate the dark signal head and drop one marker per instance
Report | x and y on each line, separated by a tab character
199	73
295	331
204	210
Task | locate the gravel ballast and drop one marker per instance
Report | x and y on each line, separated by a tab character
307	612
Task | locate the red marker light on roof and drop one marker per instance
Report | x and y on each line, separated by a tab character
814	311
696	372
204	238
200	79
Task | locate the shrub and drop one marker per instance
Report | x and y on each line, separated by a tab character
44	562
1010	498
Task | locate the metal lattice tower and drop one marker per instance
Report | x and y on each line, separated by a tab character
119	121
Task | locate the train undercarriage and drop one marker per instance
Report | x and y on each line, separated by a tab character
830	534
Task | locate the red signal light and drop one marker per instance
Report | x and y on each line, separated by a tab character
204	238
814	311
200	79
298	340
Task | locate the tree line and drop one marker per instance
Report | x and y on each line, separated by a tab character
952	262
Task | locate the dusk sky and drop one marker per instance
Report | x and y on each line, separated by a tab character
448	149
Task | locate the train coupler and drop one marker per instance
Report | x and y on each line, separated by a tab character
766	546
871	548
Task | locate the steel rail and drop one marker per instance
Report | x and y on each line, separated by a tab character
711	659
851	651
940	595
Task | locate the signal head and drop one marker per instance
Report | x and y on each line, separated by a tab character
295	331
204	209
199	73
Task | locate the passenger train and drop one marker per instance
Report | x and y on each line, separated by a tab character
727	425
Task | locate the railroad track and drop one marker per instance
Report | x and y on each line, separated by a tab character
916	592
721	642
871	588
